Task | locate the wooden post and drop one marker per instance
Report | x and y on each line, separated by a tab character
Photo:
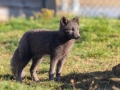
51	4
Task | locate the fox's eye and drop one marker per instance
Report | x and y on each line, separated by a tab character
73	29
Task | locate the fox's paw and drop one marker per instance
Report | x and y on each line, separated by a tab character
51	77
58	77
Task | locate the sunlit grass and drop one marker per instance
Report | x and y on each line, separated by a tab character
88	65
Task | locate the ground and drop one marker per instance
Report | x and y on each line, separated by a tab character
88	66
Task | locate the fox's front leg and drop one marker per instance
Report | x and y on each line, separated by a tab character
59	68
53	63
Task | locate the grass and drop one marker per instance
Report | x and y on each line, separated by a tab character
88	66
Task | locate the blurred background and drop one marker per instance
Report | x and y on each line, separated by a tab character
95	8
89	8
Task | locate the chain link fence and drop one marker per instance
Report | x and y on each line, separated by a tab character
94	8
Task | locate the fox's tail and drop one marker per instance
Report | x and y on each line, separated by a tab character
15	64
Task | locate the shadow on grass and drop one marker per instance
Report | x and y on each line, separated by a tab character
98	80
105	80
6	77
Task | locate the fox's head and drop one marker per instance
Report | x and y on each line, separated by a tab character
69	29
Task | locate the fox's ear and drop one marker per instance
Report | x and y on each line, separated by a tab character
76	19
64	21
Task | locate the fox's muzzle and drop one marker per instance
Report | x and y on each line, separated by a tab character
76	36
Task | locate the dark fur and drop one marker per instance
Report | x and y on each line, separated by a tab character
36	43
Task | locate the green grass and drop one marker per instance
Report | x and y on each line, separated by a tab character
88	65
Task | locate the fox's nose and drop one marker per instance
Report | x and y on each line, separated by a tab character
78	37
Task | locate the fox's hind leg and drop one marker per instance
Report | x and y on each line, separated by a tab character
35	61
